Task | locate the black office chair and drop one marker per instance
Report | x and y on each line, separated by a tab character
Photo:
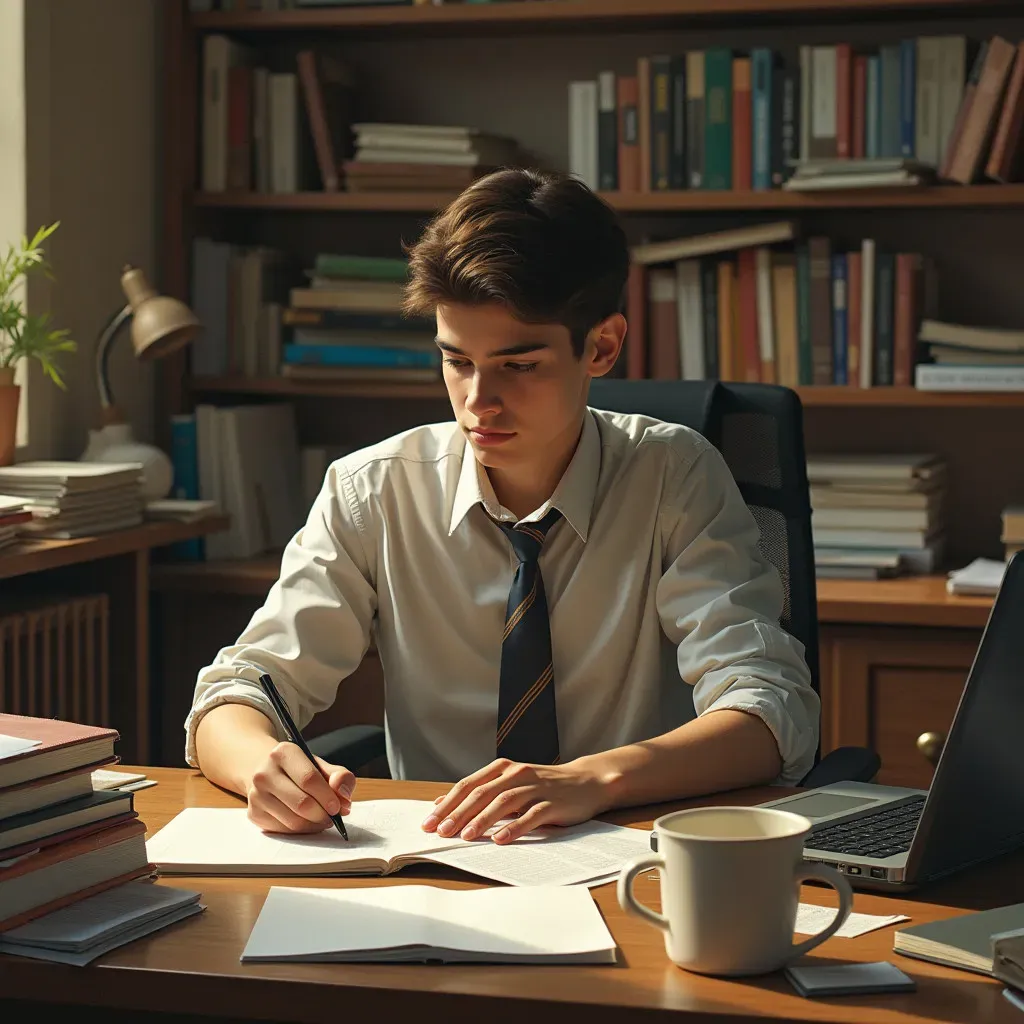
758	428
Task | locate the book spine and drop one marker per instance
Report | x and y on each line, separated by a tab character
839	319
764	107
607	135
873	110
356	355
677	177
727	369
854	294
908	96
952	79
926	111
628	137
749	368
867	312
908	269
821	309
860	104
844	101
742	128
805	360
643	120
890	87
885	272
1005	156
661	123
636	320
790	141
824	107
695	114
185	465
718	119
709	290
664	325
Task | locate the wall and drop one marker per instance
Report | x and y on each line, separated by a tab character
91	103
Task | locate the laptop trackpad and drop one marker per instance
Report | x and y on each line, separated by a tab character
824	805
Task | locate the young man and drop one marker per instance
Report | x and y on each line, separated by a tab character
524	570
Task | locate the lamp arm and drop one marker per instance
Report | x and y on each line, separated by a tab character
106	338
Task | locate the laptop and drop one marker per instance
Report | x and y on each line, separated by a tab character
890	838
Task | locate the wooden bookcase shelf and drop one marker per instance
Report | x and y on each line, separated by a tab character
684	201
575	15
887	397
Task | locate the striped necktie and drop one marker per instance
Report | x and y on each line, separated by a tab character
527	727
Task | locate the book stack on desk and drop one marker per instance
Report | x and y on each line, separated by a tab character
876	515
75	499
13	514
60	841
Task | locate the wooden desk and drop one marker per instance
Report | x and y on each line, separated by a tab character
117	564
192	968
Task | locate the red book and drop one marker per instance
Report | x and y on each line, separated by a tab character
62	747
239	128
1004	161
663	335
742	126
904	331
628	97
860	104
844	100
326	86
750	351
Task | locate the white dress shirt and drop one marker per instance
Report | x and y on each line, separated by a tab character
660	602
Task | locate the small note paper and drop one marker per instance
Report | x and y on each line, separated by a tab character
811	919
12	746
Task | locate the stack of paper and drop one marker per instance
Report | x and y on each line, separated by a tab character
12	515
545	925
385	836
75	499
982	576
83	931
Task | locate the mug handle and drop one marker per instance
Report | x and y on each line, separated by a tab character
823	873
628	901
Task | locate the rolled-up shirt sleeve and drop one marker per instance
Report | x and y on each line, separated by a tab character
314	626
719	601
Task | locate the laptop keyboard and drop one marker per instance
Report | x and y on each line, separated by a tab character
880	834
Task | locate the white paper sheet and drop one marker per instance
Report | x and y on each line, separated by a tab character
811	919
12	746
408	921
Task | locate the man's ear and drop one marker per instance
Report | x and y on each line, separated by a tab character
604	343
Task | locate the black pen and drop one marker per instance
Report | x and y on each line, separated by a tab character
268	687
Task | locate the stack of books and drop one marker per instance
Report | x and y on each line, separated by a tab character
963	358
60	841
876	515
348	324
12	515
1013	529
422	157
75	499
880	172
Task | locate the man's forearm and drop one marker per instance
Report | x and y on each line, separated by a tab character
721	750
232	741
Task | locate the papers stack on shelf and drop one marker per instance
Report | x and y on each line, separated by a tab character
982	576
876	515
75	499
60	841
422	157
79	933
13	515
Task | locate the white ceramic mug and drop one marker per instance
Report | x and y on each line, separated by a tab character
730	882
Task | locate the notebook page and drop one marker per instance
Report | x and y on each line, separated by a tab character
562	856
321	923
12	746
219	840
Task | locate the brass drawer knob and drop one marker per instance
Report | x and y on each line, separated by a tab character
930	744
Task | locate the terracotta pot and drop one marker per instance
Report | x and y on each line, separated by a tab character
9	395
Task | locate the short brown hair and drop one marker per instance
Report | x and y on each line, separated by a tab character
541	244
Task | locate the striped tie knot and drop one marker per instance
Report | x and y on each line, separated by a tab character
527	539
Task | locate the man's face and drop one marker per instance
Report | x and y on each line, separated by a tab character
517	389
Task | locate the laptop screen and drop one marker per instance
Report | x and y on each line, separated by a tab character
975	806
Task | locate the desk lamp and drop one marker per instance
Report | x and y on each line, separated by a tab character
160	325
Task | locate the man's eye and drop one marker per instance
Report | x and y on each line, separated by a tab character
448	361
521	367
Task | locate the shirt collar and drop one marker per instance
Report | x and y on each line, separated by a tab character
573	497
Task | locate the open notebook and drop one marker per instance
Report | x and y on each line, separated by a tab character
385	835
402	923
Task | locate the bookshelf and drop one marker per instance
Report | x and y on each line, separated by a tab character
414	63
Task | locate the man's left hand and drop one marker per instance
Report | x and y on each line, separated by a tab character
530	794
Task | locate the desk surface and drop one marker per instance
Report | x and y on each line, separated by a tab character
28	556
193	967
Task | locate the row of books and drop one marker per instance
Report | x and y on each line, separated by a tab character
877	515
806	314
717	119
287	5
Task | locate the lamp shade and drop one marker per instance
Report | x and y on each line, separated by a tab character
160	324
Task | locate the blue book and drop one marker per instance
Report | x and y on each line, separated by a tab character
359	355
908	96
761	61
185	463
839	319
873	110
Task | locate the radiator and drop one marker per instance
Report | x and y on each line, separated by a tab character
54	660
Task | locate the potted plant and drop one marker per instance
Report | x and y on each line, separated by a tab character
24	336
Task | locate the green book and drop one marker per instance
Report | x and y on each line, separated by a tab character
718	119
964	941
364	268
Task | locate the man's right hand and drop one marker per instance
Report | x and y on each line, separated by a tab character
287	794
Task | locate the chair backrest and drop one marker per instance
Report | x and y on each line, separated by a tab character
758	428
